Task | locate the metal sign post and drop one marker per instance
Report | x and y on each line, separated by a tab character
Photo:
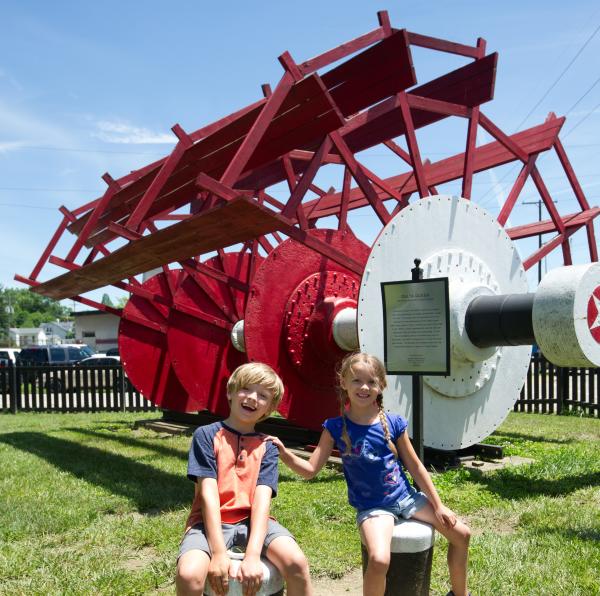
416	328
417	389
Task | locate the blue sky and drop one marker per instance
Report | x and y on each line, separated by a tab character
89	87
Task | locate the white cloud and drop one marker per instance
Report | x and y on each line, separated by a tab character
8	146
125	133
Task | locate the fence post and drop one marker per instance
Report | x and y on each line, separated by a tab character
13	388
562	388
122	388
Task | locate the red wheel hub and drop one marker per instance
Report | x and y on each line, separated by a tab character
295	295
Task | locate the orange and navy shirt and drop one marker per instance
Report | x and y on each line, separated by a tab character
239	462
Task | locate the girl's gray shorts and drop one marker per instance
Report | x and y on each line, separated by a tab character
235	535
404	509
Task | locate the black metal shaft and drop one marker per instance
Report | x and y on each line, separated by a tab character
503	320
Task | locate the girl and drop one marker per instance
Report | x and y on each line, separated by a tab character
374	446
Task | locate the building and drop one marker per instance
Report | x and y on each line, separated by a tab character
57	332
27	336
97	329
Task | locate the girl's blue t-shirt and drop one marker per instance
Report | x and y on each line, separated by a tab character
375	478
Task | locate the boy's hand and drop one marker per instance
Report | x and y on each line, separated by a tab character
445	516
218	573
250	574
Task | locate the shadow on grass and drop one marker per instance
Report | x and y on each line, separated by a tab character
133	442
523	437
319	479
150	489
509	484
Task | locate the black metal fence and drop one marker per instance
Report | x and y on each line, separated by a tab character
548	389
69	388
552	389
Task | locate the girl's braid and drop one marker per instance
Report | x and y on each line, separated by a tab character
345	435
386	428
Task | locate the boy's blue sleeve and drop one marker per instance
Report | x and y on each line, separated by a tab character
201	459
268	473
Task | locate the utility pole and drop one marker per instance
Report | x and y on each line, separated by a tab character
539	203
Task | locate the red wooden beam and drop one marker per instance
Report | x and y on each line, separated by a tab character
533	140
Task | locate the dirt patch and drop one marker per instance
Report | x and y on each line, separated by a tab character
348	585
496	464
143	558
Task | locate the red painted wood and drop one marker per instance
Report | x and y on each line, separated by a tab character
144	351
141	209
259	127
413	146
308	398
534	140
568	168
593	247
516	190
379	72
384	22
202	353
470	149
361	178
342	51
290	66
547	248
303	184
51	246
502	138
436	106
91	222
550	206
424	41
239	220
573	220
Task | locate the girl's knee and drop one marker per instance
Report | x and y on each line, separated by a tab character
379	562
461	535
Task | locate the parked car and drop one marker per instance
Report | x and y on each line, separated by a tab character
62	354
8	356
59	354
112	352
101	377
99	360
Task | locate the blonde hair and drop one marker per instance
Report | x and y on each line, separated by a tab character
257	373
378	370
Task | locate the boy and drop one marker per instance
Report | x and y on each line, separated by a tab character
235	470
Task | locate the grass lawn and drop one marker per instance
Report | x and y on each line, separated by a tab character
91	506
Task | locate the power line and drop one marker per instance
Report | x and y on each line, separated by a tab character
560	76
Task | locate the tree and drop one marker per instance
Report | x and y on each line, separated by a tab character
23	308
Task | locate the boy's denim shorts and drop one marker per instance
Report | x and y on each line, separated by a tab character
233	534
404	509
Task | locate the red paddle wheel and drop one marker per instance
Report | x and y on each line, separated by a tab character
275	274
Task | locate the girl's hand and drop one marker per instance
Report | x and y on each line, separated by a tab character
445	516
276	441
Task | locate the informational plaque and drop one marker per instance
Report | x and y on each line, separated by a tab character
416	327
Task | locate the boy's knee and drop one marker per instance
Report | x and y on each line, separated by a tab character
189	578
298	565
